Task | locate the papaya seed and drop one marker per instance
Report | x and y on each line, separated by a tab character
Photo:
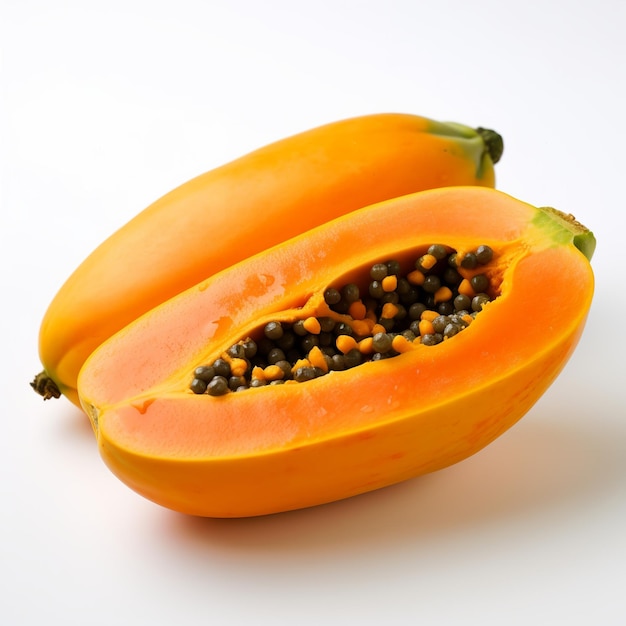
484	254
469	261
479	283
378	271
273	330
218	386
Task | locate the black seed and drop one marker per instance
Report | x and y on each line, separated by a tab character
452	277
275	355
350	293
338	362
409	335
438	251
469	261
429	300
445	308
236	351
303	374
204	372
390	296
419	266
381	342
393	268
299	329
222	368
401	312
234	382
375	289
285	366
309	342
416	310
273	330
440	322
353	358
218	386
343	329
342	307
198	385
250	348
450	330
378	271
484	254
327	324
479	301
431	283
332	296
432	340
457	319
462	302
404	287
479	283
387	323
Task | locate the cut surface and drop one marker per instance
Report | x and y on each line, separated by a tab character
149	363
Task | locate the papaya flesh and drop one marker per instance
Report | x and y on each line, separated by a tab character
242	208
282	447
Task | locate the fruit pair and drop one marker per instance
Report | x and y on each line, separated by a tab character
275	442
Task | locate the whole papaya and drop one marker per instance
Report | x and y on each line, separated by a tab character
385	344
246	206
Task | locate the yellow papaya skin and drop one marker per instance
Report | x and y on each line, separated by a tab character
278	448
246	206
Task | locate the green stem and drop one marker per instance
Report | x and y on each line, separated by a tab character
45	386
493	141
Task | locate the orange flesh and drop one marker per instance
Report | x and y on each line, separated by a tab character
338	434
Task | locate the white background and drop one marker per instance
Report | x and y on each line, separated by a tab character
108	105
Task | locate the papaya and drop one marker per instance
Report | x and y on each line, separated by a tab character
384	344
242	208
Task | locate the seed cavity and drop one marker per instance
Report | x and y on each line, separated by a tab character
394	311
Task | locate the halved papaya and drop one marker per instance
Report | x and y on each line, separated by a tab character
263	447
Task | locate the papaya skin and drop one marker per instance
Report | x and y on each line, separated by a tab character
278	448
242	208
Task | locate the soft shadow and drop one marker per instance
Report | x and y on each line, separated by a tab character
74	424
536	468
